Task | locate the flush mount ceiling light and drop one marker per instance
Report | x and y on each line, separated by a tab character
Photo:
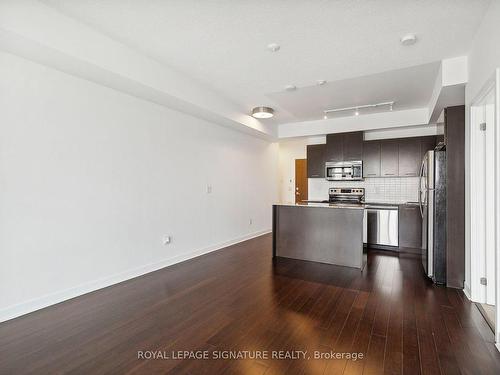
290	88
273	47
408	39
262	112
357	108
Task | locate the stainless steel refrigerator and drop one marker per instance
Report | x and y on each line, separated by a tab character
432	200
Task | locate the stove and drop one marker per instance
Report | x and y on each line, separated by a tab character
346	195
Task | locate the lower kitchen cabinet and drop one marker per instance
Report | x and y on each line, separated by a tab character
410	227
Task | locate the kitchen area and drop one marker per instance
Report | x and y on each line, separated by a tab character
389	194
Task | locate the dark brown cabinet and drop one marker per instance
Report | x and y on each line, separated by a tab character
371	159
352	145
389	158
409	157
334	148
454	119
410	226
316	161
344	146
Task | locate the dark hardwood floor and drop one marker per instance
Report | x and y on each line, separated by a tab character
238	299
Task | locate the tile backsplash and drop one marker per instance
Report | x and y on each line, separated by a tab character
383	190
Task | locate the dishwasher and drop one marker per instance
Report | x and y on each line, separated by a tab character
381	226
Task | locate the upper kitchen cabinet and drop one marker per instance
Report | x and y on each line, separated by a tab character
316	161
409	157
371	159
389	157
344	147
353	146
334	148
427	143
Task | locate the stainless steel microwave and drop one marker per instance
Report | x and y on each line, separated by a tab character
344	171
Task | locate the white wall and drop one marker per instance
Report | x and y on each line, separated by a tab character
289	150
484	56
91	179
483	59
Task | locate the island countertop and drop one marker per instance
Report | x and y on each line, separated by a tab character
324	205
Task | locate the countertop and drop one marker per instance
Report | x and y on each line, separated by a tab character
324	205
381	205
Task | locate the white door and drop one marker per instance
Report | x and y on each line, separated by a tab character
484	198
489	194
483	138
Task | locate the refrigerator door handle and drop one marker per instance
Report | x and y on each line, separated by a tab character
420	188
420	202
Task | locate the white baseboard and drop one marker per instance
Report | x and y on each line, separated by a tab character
23	308
467	291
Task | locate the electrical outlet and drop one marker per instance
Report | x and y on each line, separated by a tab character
209	189
167	239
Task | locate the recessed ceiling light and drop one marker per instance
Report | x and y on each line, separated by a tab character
290	88
408	39
320	82
273	47
262	112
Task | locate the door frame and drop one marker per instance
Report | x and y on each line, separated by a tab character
475	226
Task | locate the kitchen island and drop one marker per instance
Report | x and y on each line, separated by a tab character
320	232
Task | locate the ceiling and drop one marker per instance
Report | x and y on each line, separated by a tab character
353	44
408	87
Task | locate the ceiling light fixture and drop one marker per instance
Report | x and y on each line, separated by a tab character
262	112
357	108
325	117
273	47
408	39
290	88
320	82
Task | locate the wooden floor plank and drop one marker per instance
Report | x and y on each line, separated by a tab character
240	299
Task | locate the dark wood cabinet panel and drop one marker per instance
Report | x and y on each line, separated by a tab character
316	161
389	158
455	189
410	226
352	145
371	159
334	147
409	156
427	143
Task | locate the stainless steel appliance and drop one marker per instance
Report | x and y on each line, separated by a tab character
344	171
346	195
432	201
381	224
